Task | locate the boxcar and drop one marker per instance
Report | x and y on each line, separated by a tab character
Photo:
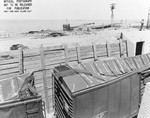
81	94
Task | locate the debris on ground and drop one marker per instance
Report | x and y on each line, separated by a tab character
87	28
17	46
82	30
46	33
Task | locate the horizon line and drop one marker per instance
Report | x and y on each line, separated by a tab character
69	19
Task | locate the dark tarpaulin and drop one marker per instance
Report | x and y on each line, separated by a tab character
19	87
19	98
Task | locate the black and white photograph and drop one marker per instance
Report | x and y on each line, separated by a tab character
74	59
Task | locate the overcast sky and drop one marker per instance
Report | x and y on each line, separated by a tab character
81	9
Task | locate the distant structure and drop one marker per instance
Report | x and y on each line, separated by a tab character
112	7
66	27
148	19
142	25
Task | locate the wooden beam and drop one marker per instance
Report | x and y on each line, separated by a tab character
78	53
108	48
44	77
21	64
66	53
94	51
127	51
121	48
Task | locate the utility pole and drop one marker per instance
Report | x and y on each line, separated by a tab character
148	20
112	7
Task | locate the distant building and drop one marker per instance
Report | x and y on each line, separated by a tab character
66	27
138	42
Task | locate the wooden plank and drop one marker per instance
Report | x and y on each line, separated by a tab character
38	81
33	58
72	51
72	58
94	52
117	48
114	47
35	65
102	52
49	82
121	48
86	51
86	48
51	59
8	66
90	55
9	71
99	53
66	53
55	55
21	64
101	47
35	51
115	53
62	56
126	44
51	48
10	61
114	50
31	62
59	61
39	78
39	90
114	44
44	81
54	61
50	92
31	52
48	55
39	85
108	48
78	53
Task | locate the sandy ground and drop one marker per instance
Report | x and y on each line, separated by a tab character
97	37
